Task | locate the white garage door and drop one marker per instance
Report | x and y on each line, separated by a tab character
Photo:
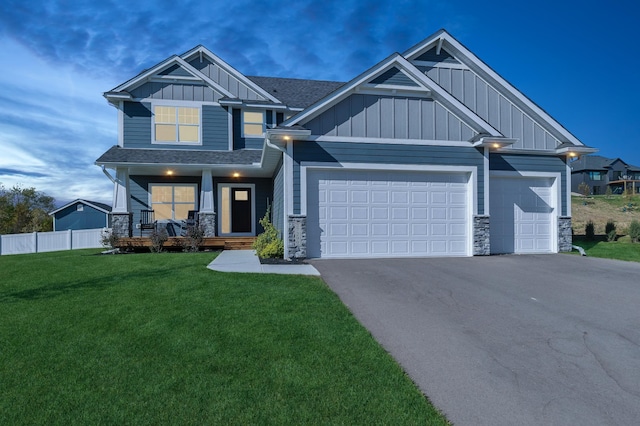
522	215
356	213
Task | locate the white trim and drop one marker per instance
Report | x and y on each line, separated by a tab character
568	188
472	184
287	192
556	197
388	141
230	126
386	90
486	181
221	211
175	79
230	70
79	200
433	64
121	124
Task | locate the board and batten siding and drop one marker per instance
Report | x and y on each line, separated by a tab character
532	163
226	80
373	116
379	154
138	120
176	92
277	206
493	107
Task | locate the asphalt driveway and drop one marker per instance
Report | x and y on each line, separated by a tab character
506	340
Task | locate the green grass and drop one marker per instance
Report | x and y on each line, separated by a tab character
159	339
623	249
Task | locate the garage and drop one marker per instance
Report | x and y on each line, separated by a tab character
522	214
380	213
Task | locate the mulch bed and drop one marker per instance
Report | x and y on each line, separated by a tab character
272	261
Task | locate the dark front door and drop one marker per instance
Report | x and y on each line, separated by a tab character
240	210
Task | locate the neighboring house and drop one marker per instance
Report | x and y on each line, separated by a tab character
427	153
599	172
81	214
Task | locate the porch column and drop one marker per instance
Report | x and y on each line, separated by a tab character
207	214
120	213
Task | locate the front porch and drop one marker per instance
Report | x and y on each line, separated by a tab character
176	243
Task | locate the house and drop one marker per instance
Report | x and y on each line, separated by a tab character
427	153
600	172
81	214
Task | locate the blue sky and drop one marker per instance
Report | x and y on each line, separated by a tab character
578	60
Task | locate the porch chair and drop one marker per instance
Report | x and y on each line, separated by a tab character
191	222
147	220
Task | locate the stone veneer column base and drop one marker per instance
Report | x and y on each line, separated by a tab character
297	236
481	236
565	237
207	222
121	224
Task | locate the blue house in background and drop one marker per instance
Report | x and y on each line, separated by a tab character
427	153
81	214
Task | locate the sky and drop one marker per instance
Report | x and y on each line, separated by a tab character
578	60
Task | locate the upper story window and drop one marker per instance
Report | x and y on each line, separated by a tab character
176	124
253	124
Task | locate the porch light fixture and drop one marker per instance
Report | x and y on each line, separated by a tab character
571	150
235	175
169	172
493	142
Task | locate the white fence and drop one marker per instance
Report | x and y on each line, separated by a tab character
39	242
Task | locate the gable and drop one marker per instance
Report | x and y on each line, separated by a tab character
390	117
394	77
177	91
462	74
225	79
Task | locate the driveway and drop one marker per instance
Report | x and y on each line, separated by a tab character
506	340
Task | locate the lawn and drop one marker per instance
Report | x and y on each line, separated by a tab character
623	249
160	339
600	209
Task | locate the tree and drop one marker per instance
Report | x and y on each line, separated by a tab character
24	210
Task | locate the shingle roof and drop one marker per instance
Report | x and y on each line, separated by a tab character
295	92
597	162
176	156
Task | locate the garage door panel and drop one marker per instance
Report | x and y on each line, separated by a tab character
522	215
390	213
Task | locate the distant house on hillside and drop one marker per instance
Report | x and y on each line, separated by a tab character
81	214
599	172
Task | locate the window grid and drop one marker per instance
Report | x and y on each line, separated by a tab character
177	124
172	202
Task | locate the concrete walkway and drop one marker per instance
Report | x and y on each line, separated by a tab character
247	261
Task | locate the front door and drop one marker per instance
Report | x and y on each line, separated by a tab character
237	212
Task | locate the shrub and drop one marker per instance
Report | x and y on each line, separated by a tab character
634	231
610	230
109	239
268	244
158	238
589	230
193	239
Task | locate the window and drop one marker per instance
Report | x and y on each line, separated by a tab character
252	124
173	201
595	175
177	124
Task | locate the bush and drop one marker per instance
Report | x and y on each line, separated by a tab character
610	230
589	230
268	244
194	238
109	239
158	238
634	231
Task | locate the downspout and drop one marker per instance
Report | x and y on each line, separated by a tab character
104	170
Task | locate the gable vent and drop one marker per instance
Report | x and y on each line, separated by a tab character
394	77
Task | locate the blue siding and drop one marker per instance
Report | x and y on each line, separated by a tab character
176	91
398	117
432	56
395	77
88	218
139	193
532	163
224	79
278	208
137	124
244	143
215	128
346	152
